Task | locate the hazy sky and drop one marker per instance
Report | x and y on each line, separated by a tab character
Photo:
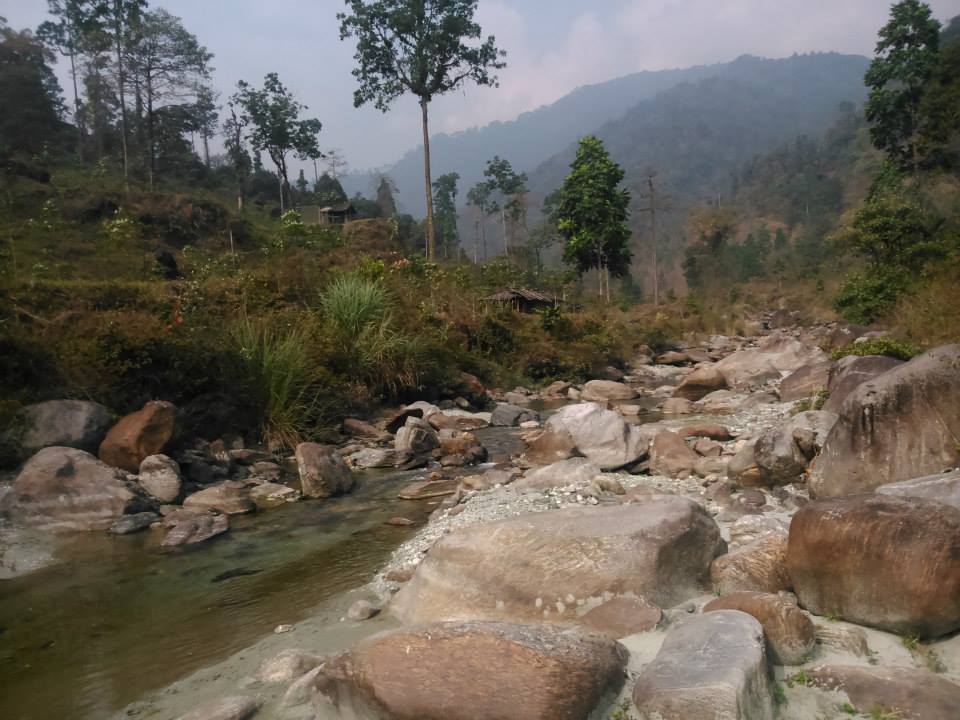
553	46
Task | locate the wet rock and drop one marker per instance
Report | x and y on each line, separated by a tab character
903	692
369	458
602	436
601	390
557	388
850	372
559	474
783	453
622	616
323	473
492	477
426	489
806	381
879	560
129	524
139	435
901	425
711	666
943	488
228	708
399	522
473	671
701	382
713	431
661	549
64	489
362	610
788	631
270	495
458	448
507	415
467	421
287	665
229	497
78	424
671	456
760	565
160	478
185	527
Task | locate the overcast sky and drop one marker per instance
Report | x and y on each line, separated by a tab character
552	47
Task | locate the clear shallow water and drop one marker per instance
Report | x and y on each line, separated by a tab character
119	618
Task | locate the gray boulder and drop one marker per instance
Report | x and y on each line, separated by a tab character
507	415
229	497
806	381
160	478
704	380
323	473
775	356
607	390
902	424
852	371
416	436
187	527
943	488
78	424
710	666
784	452
65	489
559	474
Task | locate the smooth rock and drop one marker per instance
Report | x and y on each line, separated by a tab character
185	527
160	478
783	452
139	435
622	616
270	495
287	665
713	431
601	390
850	372
129	524
362	610
78	424
879	560
228	708
507	415
558	474
943	488
710	667
788	631
323	473
426	489
760	565
671	456
416	436
229	497
677	406
704	380
806	381
472	671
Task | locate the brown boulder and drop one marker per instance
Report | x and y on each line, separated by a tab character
323	473
472	671
425	489
900	425
607	390
537	566
788	631
64	489
700	383
852	371
760	565
229	497
186	527
622	616
713	431
671	456
877	560
902	692
806	381
139	435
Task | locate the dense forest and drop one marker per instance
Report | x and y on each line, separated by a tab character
137	260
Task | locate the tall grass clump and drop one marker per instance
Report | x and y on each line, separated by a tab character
280	374
367	344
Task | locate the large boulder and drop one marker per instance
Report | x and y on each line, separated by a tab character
458	448
743	470
894	692
559	474
847	373
943	488
139	435
879	560
603	390
587	429
760	565
416	436
472	671
189	527
507	415
789	632
160	478
229	497
704	380
671	456
783	453
711	666
323	473
540	565
900	425
64	489
78	424
806	381
775	356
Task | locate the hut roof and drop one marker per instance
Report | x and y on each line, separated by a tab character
338	208
521	294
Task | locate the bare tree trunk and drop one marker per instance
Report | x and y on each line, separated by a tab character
427	181
76	105
151	154
206	149
121	82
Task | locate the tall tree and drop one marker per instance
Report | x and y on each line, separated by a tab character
480	196
169	64
445	207
593	214
421	47
206	115
329	191
906	60
73	21
385	201
508	196
272	118
234	128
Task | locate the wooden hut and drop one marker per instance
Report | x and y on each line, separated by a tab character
523	299
338	214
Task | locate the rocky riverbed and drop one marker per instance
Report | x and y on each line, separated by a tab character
780	537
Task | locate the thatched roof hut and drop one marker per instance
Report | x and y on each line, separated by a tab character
523	299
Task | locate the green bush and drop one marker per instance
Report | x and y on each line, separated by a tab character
865	298
350	303
879	346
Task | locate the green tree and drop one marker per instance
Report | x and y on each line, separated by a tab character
592	218
233	131
445	207
329	191
480	196
906	60
29	93
272	118
507	193
421	47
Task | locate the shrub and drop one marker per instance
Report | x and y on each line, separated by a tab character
350	303
865	298
879	346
